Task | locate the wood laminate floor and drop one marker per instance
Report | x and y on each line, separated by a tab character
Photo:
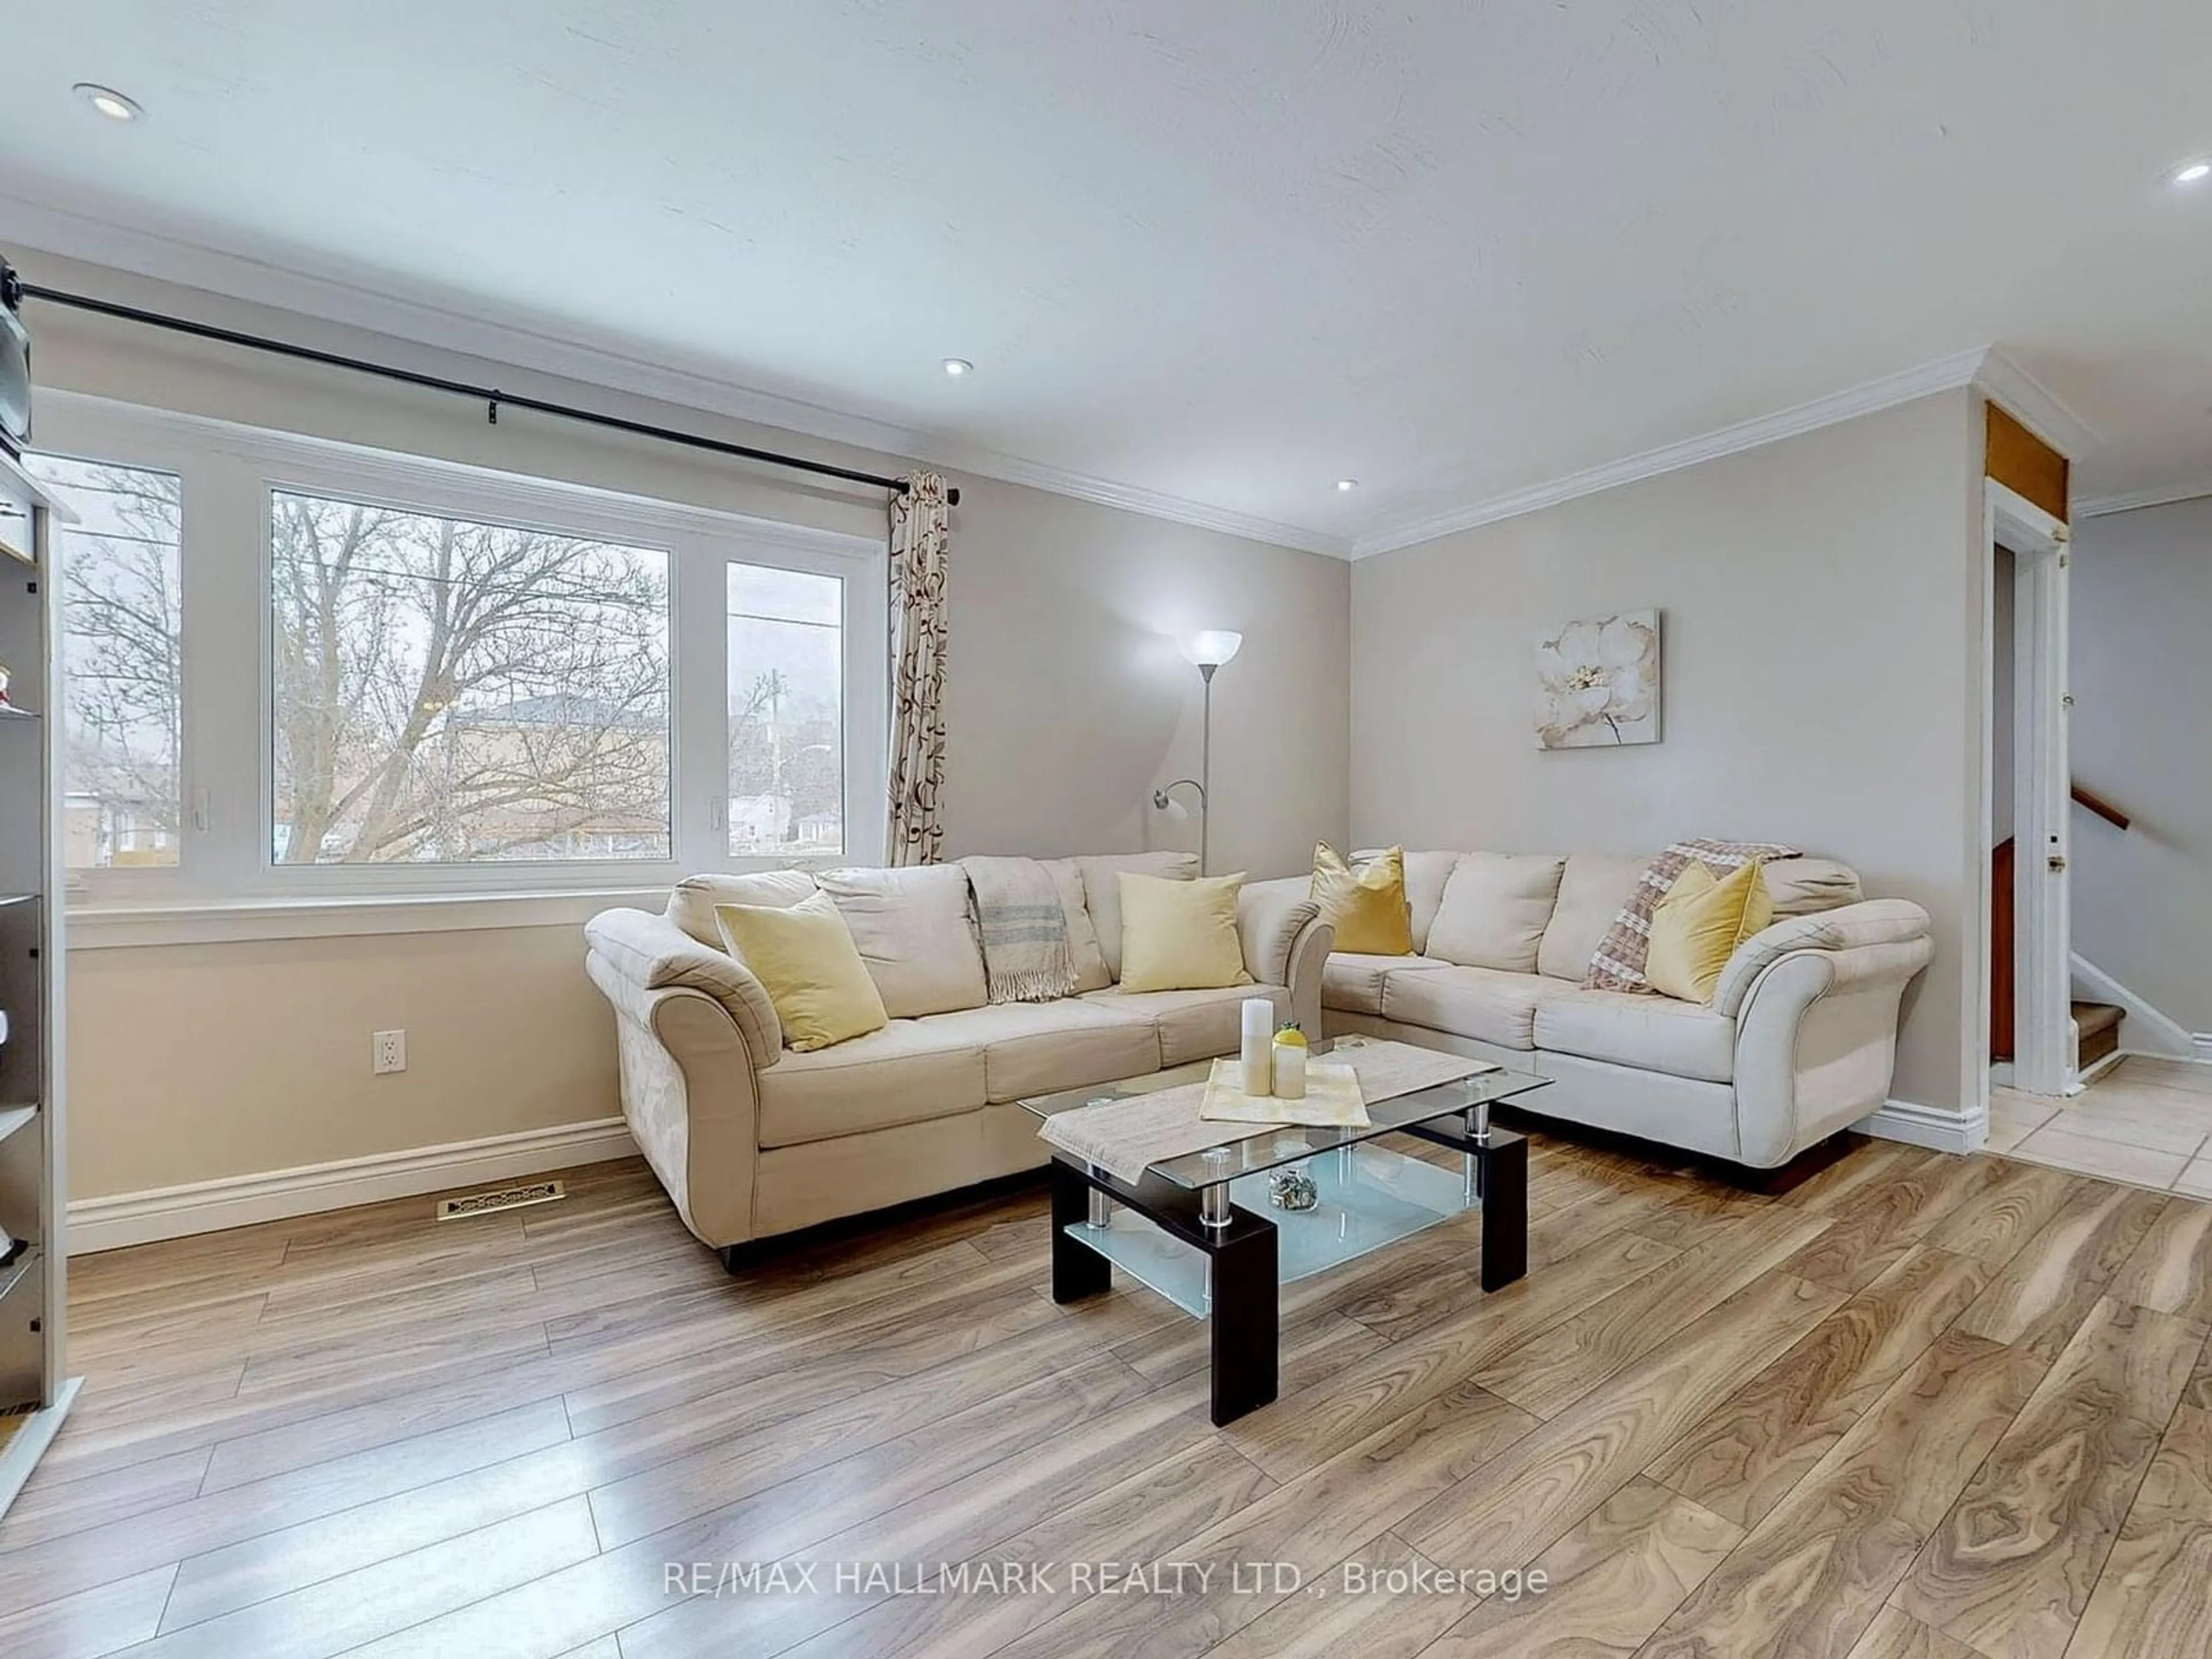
1922	1407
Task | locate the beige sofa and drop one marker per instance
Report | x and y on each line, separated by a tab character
753	1140
1801	1040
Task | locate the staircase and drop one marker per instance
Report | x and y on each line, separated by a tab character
2097	1025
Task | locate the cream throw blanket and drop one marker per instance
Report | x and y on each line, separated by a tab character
1026	954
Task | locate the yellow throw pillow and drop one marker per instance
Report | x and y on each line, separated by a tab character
1367	907
1698	926
1181	935
805	954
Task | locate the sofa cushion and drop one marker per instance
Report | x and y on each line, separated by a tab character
1650	1033
1181	935
1195	1025
691	905
1352	983
805	954
1495	910
1480	1003
1039	1048
907	1072
1366	906
1091	973
912	929
1804	887
1594	888
1101	891
1425	876
1698	926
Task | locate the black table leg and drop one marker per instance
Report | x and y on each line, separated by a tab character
1504	1174
1245	1324
1077	1270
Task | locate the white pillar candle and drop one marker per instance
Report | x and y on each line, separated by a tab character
1259	1046
1290	1070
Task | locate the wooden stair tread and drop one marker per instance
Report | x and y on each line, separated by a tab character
2090	1017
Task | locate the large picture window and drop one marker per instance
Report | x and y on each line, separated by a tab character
450	692
123	656
298	671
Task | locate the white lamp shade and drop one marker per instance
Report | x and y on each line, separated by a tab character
1211	646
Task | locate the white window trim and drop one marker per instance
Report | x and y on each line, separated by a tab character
228	884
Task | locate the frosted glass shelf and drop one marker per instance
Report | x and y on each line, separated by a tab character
1371	1196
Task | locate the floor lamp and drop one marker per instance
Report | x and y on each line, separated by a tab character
1206	651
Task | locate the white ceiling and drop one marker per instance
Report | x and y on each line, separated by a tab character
1225	253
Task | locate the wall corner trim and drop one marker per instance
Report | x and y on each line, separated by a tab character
206	1207
1949	373
2028	401
1960	1130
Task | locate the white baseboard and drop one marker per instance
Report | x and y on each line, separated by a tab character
2146	1031
1927	1126
206	1207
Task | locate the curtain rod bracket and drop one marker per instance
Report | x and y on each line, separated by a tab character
491	409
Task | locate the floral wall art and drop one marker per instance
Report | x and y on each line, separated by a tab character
1597	682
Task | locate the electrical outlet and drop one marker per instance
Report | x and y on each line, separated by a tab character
388	1051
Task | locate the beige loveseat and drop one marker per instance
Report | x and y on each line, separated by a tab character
1800	1042
753	1140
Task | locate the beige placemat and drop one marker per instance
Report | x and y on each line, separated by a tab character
1125	1138
1332	1099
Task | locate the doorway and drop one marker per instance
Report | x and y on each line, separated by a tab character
2027	782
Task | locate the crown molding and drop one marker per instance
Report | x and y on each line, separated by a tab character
2035	406
1944	375
329	299
2128	500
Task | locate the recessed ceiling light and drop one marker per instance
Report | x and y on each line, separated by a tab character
955	366
108	101
1347	483
2192	174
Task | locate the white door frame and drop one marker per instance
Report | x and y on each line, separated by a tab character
2043	1037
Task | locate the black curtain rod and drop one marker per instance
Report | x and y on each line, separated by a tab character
491	397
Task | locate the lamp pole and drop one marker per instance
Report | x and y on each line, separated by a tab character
1206	771
1204	652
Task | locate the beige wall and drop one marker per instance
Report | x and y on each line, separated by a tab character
2142	680
191	1062
1821	624
1067	704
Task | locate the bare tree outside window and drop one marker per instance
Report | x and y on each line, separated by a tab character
452	692
122	661
786	713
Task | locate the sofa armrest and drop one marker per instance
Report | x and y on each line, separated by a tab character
1816	1034
689	1097
1872	921
1309	957
1270	916
653	953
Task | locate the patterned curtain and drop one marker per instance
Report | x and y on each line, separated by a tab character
921	532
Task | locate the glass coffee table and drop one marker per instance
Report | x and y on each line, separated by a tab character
1203	1231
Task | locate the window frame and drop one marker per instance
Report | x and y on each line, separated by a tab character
226	861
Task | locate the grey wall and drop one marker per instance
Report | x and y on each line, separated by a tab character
1821	637
2142	678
